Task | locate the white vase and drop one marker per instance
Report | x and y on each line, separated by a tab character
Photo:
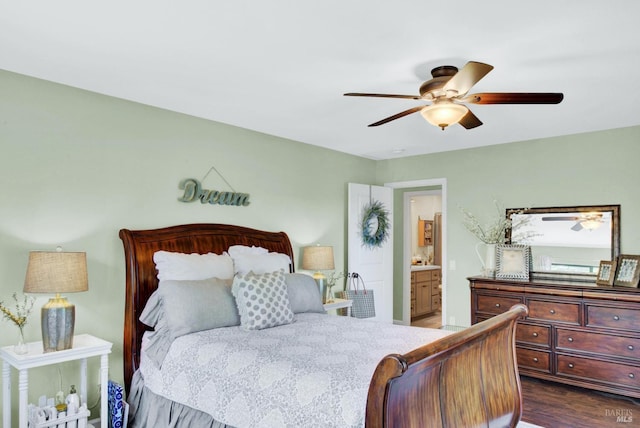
487	258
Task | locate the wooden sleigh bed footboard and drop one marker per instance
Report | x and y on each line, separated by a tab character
468	379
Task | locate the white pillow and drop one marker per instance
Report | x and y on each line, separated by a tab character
262	300
260	263
236	250
180	266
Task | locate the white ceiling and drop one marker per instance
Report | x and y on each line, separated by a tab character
281	66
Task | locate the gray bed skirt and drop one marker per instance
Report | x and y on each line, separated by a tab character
148	410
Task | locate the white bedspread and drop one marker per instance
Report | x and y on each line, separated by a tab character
314	372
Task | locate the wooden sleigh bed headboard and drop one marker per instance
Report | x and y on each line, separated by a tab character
141	274
469	378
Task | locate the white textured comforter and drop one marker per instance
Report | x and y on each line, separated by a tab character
314	372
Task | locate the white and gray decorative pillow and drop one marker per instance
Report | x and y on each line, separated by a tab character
262	300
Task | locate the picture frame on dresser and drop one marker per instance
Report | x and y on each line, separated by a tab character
628	271
606	272
513	261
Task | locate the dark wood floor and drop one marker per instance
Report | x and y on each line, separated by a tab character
554	405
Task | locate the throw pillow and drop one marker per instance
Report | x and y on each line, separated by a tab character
262	300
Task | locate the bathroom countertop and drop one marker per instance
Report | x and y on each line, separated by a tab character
424	267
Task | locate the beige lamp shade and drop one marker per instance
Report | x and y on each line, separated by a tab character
317	258
56	272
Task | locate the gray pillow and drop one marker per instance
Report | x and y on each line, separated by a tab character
304	294
196	305
181	307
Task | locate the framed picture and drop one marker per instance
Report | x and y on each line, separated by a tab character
513	261
628	271
607	272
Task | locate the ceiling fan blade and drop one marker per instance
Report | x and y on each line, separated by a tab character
464	79
514	98
577	227
560	218
358	94
397	116
470	121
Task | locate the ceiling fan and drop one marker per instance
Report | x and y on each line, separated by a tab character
588	221
447	91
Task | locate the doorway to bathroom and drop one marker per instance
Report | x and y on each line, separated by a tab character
402	296
425	221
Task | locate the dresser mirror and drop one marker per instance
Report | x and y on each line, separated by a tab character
567	241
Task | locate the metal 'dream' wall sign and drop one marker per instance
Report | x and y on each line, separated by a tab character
193	191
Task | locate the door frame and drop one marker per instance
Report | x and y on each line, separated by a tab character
406	245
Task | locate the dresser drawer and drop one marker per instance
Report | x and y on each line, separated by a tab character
611	317
601	371
597	343
533	334
534	360
496	304
554	311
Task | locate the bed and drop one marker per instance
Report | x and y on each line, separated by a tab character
467	378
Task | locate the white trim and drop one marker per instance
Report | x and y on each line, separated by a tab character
406	259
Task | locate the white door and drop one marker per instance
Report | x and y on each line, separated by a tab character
375	265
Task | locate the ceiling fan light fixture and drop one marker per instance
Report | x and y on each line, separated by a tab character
444	113
591	224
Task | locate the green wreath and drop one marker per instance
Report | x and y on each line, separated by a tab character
374	225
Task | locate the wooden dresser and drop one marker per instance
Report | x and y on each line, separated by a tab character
576	333
425	291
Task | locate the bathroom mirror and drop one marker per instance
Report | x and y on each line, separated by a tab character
567	240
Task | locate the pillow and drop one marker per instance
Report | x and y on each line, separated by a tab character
236	250
304	295
177	308
190	306
194	266
260	263
262	300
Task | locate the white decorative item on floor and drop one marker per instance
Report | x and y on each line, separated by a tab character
487	258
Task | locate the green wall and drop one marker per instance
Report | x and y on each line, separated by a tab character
598	168
76	167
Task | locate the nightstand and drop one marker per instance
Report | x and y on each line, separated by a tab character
338	304
84	346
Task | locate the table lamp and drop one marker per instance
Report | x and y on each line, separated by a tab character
57	272
318	258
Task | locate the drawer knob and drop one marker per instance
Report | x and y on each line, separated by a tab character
535	334
630	347
616	318
570	339
631	375
570	365
552	311
535	359
497	305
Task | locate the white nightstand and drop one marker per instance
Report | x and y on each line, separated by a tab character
84	346
339	303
